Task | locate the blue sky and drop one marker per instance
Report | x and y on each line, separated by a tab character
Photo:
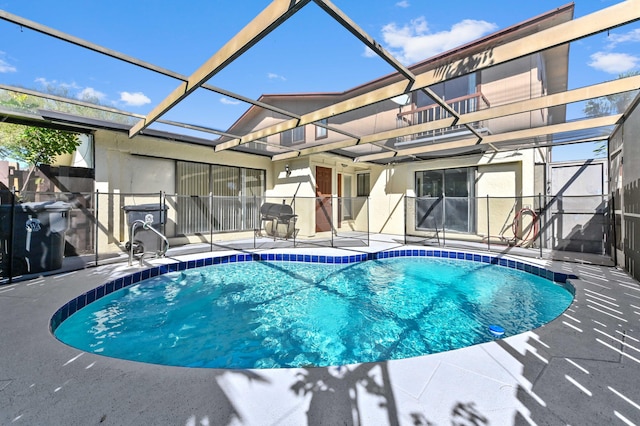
308	53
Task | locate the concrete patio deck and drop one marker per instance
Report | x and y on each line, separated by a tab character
581	369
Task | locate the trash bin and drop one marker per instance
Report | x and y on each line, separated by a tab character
145	240
38	236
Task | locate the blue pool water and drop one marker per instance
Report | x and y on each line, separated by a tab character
290	314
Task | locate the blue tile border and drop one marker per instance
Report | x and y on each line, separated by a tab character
92	295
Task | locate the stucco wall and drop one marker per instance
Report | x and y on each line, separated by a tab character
488	165
387	199
512	176
120	161
301	184
500	175
147	165
511	82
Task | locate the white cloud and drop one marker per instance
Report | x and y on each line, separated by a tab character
369	53
631	36
274	76
72	85
43	81
613	63
403	3
89	93
134	99
228	101
55	84
73	90
5	66
414	42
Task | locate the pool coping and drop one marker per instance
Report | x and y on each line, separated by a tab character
105	289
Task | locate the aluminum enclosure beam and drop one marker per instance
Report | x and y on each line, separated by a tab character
354	29
611	17
576	95
503	137
85	104
26	23
127	114
9	17
266	21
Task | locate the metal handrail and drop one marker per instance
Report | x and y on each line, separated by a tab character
147	226
478	96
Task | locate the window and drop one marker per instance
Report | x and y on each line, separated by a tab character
450	90
446	199
455	92
292	137
363	183
322	132
235	197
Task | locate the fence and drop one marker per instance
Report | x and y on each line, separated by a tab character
530	224
55	232
42	232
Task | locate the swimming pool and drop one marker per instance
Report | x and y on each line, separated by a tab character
331	311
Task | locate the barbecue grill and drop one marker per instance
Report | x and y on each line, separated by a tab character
278	220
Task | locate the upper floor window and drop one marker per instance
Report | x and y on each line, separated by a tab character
292	137
322	132
450	90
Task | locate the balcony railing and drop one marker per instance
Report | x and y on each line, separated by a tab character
462	105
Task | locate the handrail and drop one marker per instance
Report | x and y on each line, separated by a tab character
147	226
450	102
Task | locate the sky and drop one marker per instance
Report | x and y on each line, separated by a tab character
308	53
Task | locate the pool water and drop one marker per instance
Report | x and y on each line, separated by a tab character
289	314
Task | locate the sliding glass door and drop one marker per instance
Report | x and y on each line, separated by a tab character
236	193
445	199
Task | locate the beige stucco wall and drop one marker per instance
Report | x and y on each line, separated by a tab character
301	183
500	175
147	165
123	166
511	82
503	174
120	161
507	174
370	119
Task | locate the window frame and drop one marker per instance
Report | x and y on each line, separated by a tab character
190	207
366	177
441	199
298	132
322	132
